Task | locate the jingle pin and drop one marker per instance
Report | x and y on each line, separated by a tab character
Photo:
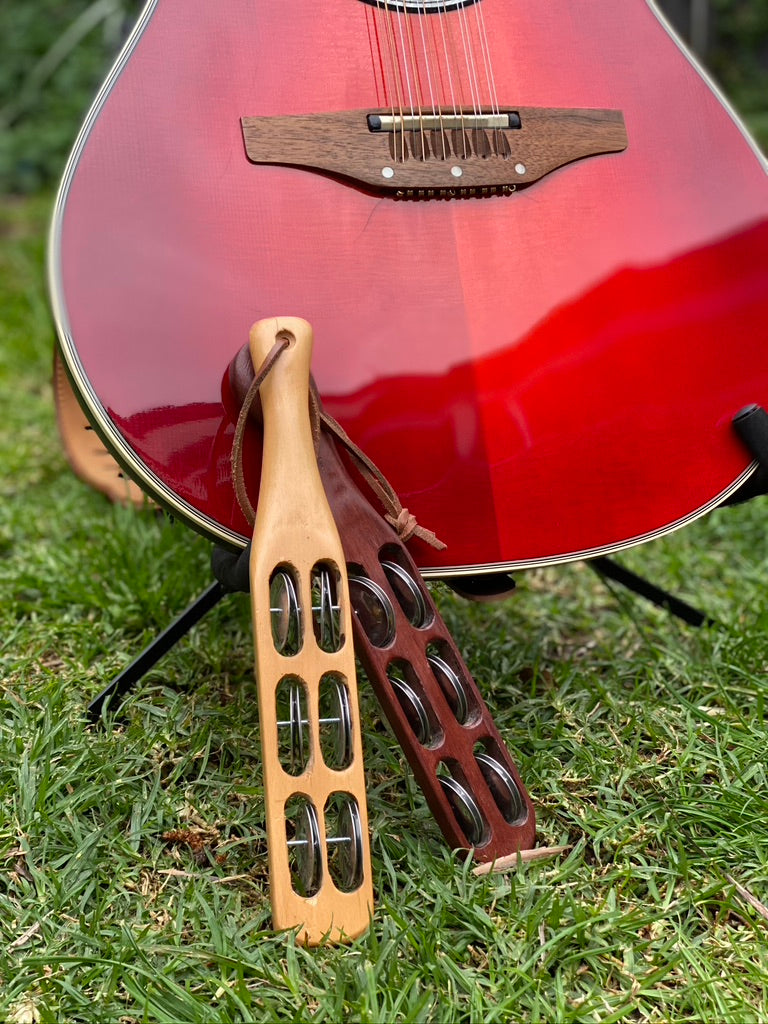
335	710
286	611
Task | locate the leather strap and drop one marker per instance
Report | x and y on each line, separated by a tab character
85	451
245	386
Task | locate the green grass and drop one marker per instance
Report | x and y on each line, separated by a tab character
642	742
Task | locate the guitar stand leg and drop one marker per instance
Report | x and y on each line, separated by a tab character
607	568
231	572
160	646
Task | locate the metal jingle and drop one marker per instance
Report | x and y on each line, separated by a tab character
465	808
327	612
343	719
373	609
452	687
343	716
285	612
308	852
405	588
297	723
503	788
414	709
348	853
345	724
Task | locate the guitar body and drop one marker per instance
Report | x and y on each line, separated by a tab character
542	375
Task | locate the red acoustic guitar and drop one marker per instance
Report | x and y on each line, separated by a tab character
531	238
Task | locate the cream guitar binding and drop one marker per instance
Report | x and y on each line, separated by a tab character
317	825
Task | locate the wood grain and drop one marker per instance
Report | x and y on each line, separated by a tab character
342	144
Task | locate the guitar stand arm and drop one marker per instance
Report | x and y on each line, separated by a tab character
751	426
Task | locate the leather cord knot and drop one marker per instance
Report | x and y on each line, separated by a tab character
406	526
404	523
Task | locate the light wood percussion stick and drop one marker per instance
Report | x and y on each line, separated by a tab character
317	824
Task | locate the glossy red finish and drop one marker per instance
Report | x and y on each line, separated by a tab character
540	375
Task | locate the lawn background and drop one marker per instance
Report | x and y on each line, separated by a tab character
642	741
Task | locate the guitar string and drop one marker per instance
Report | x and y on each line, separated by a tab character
434	70
407	72
404	64
453	74
455	56
418	138
401	71
458	85
441	65
389	91
489	71
443	72
389	87
406	60
427	64
397	107
448	64
474	76
469	56
373	47
431	42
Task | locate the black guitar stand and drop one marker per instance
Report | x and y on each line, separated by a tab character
231	574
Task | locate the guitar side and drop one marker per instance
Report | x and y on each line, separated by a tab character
542	375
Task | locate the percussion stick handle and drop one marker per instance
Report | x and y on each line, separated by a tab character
287	431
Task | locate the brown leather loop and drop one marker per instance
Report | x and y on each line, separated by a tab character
399	518
238	477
